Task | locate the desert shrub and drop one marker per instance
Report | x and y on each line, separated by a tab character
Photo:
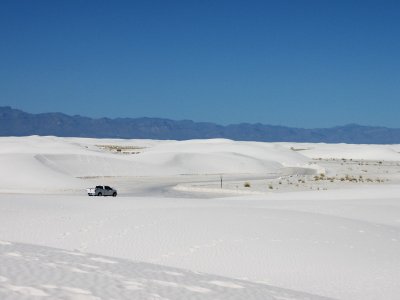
247	184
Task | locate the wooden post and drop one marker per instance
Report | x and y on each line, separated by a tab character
221	180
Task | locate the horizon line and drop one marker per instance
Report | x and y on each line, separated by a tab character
199	122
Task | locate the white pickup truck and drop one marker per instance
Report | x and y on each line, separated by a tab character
101	190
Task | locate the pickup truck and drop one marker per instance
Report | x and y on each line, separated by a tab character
100	190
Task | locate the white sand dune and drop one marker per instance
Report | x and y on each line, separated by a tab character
27	173
37	272
45	163
342	243
347	151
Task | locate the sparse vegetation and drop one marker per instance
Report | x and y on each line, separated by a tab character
324	180
347	177
121	149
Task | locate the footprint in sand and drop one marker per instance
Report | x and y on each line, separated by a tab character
197	289
226	284
14	254
76	290
76	253
133	285
103	260
26	290
173	273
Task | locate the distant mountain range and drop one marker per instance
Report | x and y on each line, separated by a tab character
14	122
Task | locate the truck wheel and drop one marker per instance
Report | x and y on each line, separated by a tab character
99	194
115	194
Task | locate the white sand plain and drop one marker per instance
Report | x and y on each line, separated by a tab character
315	221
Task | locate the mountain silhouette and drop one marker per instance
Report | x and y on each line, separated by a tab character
14	122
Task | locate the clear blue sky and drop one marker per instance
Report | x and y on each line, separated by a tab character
297	63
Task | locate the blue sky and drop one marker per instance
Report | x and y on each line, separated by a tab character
295	63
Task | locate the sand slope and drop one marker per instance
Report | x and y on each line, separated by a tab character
347	151
37	272
50	163
342	243
339	244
